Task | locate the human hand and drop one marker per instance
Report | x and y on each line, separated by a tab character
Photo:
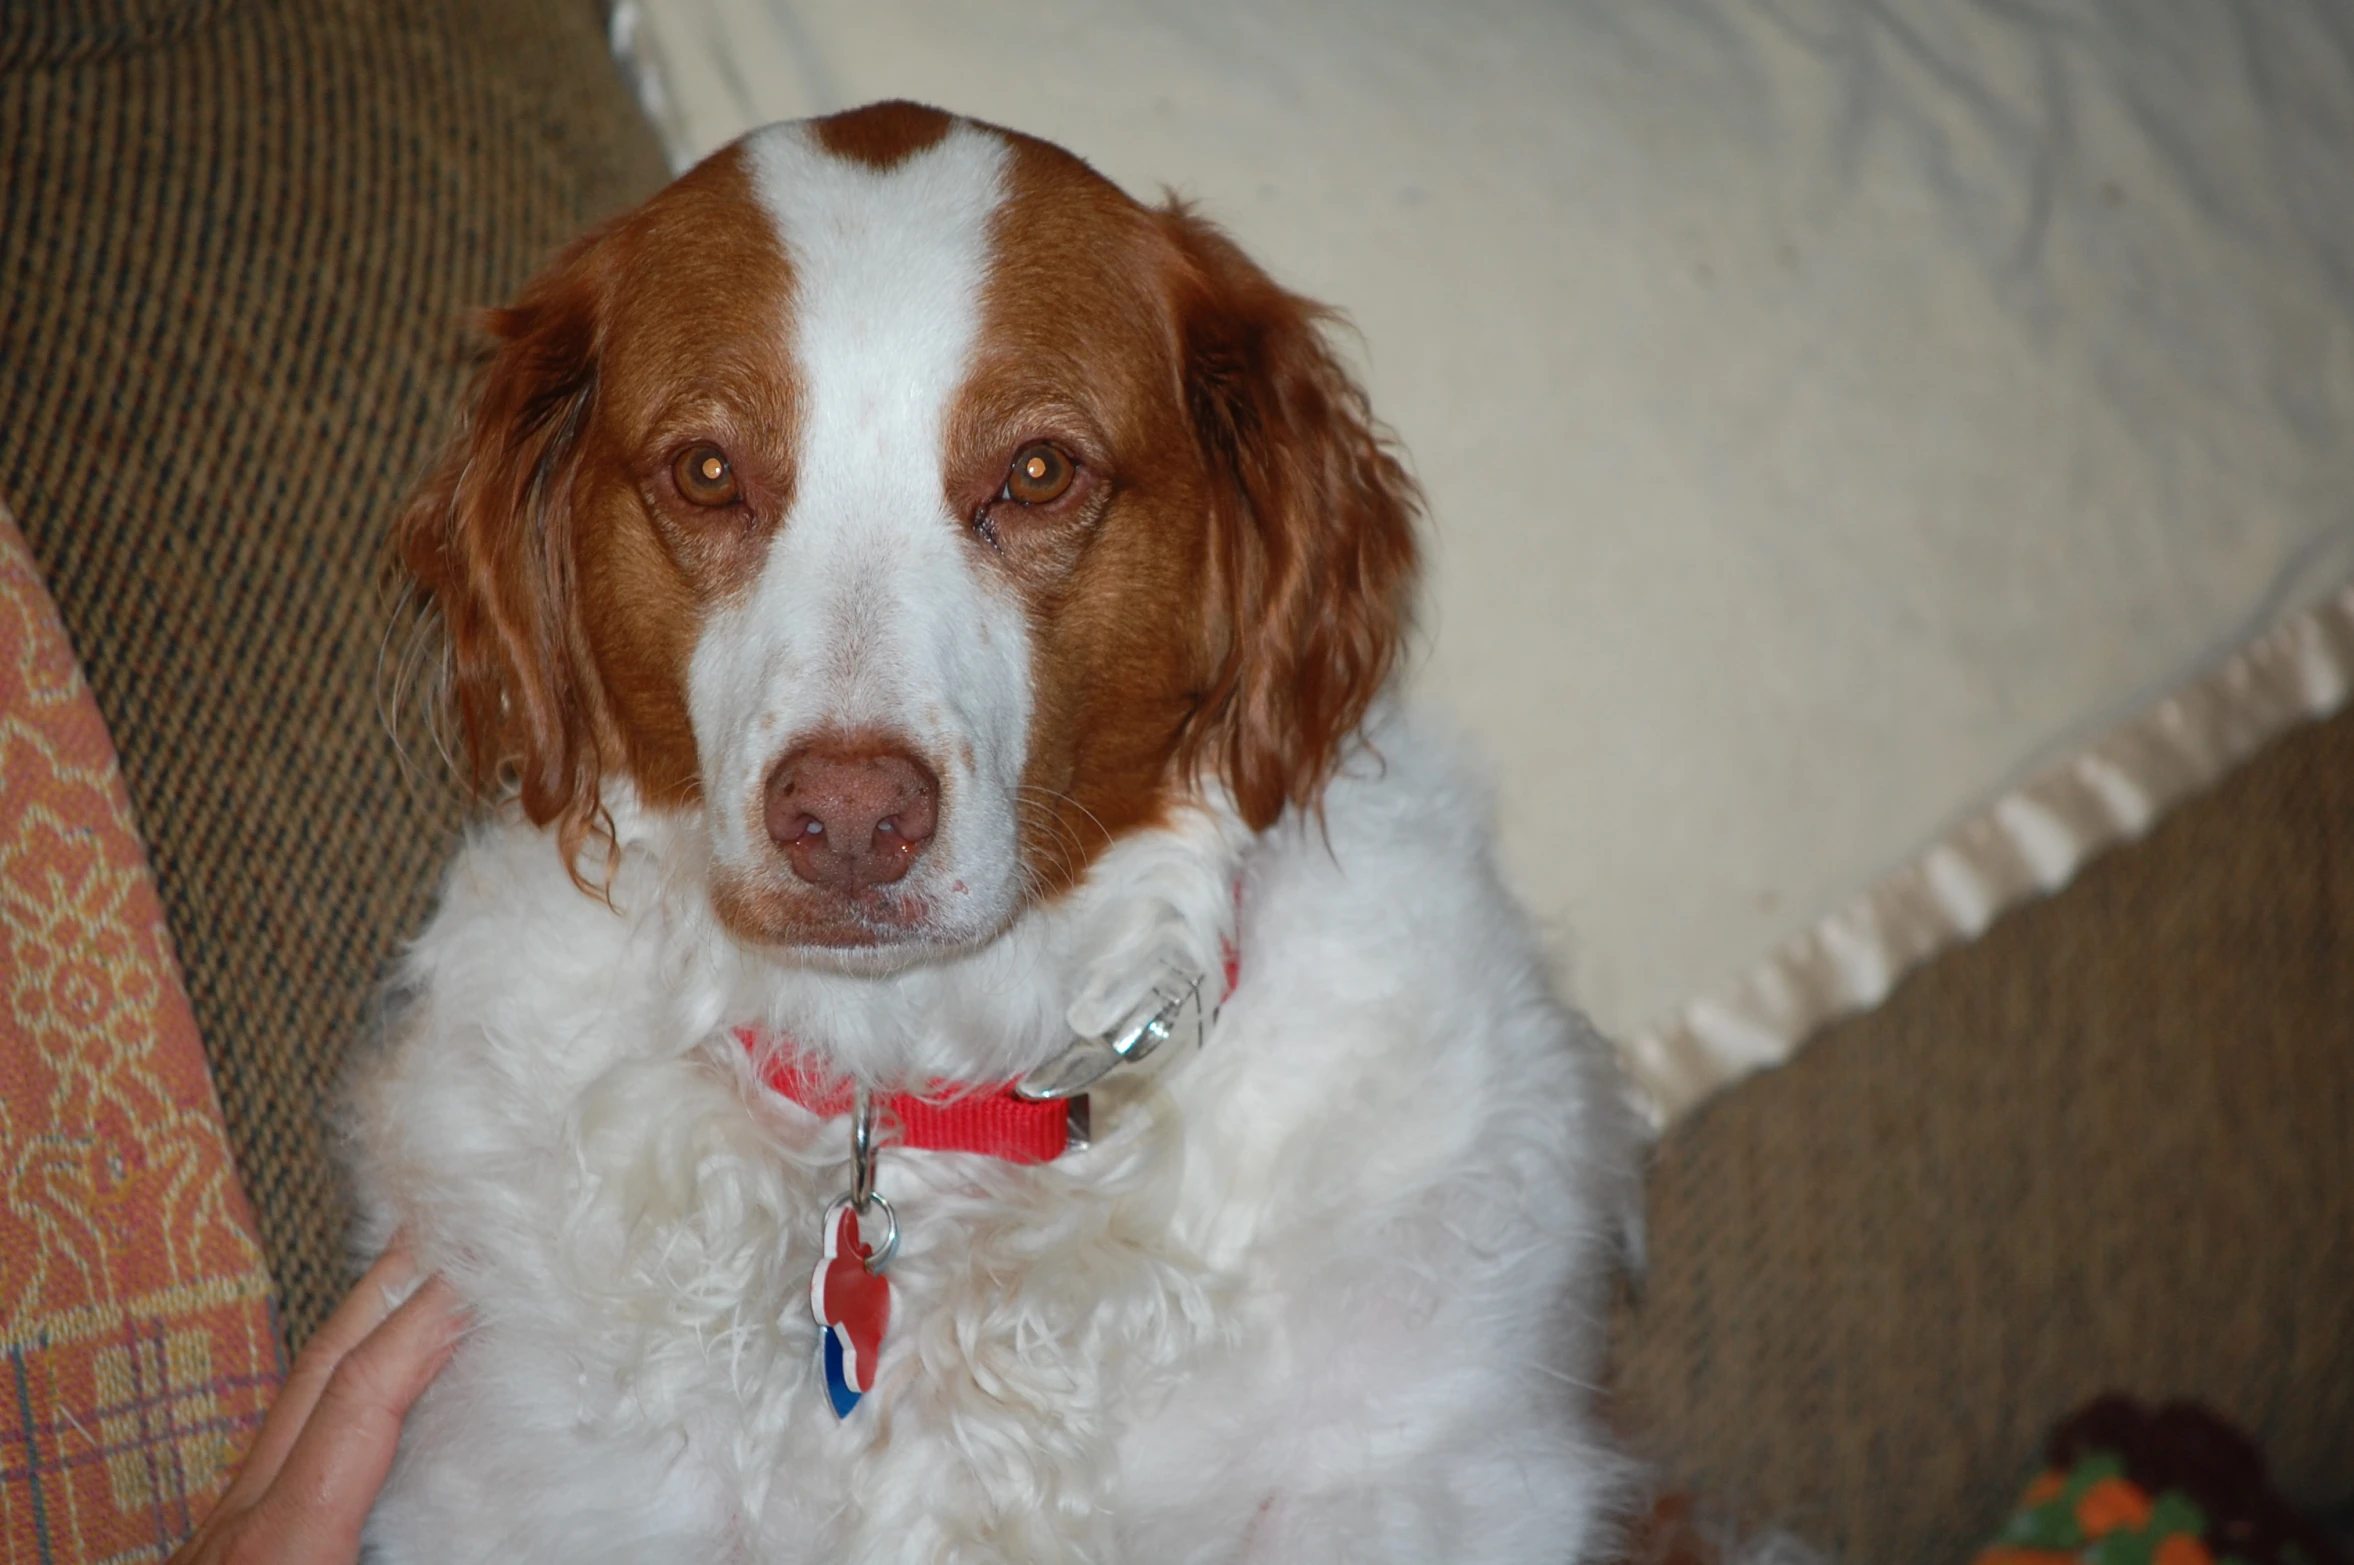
328	1442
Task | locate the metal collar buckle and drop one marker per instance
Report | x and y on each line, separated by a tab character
1167	1028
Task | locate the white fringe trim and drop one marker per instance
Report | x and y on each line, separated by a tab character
2028	843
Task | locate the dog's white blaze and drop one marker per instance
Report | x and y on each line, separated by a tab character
873	610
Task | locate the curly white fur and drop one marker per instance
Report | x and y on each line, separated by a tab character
1336	1295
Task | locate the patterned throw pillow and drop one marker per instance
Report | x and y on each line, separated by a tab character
135	1318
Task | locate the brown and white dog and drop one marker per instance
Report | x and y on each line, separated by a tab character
918	611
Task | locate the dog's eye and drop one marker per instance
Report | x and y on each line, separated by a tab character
1040	475
705	476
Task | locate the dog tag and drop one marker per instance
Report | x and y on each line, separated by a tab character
852	1303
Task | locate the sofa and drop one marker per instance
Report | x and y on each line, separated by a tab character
2109	1144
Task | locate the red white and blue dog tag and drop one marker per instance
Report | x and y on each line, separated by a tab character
852	1303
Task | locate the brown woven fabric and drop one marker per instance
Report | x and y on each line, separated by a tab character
2111	1145
241	246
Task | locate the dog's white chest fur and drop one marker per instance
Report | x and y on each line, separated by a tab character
1330	1296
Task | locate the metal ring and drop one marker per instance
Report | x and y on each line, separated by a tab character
881	1255
878	1256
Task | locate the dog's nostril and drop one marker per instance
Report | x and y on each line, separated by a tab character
852	813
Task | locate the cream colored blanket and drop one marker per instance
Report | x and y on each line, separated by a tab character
1836	415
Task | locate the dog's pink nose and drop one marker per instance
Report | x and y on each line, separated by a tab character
851	814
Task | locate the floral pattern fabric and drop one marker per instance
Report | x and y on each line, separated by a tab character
137	1347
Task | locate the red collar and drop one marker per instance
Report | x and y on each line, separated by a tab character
948	1117
952	1116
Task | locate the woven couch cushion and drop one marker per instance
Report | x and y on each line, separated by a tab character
2111	1145
240	249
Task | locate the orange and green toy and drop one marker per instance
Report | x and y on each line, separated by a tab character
2177	1487
2094	1514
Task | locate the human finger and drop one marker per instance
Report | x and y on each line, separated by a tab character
338	1462
380	1289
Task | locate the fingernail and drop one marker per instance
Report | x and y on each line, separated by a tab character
456	1320
404	1277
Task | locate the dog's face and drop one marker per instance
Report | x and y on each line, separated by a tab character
922	510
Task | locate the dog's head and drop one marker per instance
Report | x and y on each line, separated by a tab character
925	512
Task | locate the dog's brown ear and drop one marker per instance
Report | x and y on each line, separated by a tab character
1314	545
489	540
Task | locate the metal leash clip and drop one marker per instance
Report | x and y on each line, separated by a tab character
863	1196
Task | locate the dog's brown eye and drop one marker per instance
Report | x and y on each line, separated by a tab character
705	476
1040	475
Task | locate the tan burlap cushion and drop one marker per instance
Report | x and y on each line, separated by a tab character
2109	1145
241	244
